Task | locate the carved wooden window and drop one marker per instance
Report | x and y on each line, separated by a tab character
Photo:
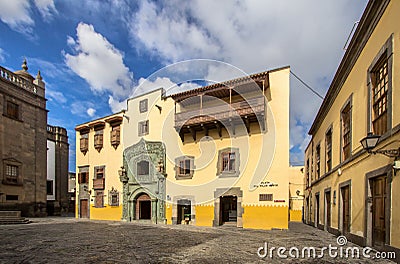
346	131
228	162
99	172
99	199
143	106
83	177
143	168
84	142
12	110
265	197
328	147
318	160
115	135
380	80
143	127
114	197
184	167
98	140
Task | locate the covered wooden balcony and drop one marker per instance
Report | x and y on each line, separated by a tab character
222	106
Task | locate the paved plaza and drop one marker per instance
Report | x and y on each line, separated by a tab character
69	240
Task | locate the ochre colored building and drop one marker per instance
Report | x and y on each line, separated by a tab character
350	191
213	155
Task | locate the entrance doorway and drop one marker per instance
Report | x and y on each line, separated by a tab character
378	211
184	211
228	209
345	191
143	207
327	210
83	208
316	209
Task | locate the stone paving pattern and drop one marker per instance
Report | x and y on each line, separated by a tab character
68	240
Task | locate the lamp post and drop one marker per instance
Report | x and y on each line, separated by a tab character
370	142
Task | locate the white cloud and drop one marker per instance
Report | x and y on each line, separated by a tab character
98	62
91	111
46	8
2	55
56	96
16	14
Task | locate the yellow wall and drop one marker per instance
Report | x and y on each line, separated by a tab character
204	215
109	157
356	86
113	213
265	217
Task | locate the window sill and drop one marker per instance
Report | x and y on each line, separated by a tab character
5	182
13	118
184	177
227	174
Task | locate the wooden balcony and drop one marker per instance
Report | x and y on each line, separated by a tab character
218	116
98	184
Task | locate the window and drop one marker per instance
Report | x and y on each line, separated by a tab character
318	160
50	187
184	167
228	162
346	131
143	168
328	149
143	128
380	90
308	172
12	110
380	97
83	177
84	142
12	197
12	172
114	197
115	136
98	140
99	172
143	106
265	197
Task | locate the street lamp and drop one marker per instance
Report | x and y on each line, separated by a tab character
370	142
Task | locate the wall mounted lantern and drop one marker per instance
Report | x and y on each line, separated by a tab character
370	142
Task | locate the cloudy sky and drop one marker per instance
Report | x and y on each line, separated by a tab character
93	55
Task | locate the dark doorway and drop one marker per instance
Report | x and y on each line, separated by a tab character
328	209
346	209
316	210
145	210
228	207
84	208
378	211
184	211
143	207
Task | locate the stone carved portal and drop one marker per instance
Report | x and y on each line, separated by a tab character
140	181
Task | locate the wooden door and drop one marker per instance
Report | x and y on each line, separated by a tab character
378	211
328	208
346	209
84	208
316	210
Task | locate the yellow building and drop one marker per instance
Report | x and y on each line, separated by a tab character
348	190
213	155
98	164
296	195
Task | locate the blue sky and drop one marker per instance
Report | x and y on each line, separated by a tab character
94	54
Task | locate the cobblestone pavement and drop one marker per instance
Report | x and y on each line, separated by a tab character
68	240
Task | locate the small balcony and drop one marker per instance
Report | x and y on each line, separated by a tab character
98	184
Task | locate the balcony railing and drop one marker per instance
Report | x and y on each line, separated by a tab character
21	82
98	184
255	106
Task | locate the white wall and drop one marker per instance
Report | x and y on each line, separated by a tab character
51	167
